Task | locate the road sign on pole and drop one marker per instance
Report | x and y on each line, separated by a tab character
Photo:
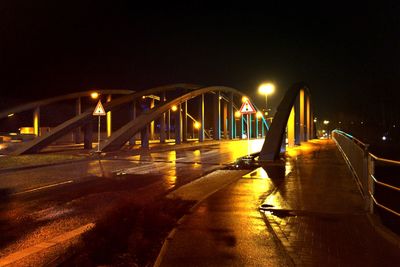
99	111
247	108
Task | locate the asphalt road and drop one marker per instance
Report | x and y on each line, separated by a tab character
40	203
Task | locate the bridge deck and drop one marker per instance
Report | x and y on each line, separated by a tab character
318	219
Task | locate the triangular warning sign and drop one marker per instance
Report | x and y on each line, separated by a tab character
99	110
247	108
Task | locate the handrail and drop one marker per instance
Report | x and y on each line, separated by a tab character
370	179
384	184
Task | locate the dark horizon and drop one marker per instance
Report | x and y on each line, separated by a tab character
347	54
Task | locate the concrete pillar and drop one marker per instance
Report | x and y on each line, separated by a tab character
88	135
250	125
169	124
231	117
152	123
144	137
242	132
225	119
178	125
132	116
308	118
36	121
78	111
201	116
184	121
162	120
291	128
217	116
301	121
256	126
109	119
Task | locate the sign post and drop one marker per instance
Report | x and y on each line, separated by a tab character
247	108
99	111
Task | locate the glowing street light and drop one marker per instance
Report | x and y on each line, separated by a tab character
326	122
94	95
244	99
196	125
174	108
266	89
259	114
238	114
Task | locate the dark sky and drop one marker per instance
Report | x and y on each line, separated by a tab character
348	54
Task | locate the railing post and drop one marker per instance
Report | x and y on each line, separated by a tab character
371	183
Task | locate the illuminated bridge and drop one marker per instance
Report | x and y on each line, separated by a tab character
178	112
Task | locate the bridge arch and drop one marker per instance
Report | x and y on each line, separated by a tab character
85	118
294	113
122	135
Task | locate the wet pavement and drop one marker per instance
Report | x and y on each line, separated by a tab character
38	204
313	215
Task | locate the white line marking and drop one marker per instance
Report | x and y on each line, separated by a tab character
43	187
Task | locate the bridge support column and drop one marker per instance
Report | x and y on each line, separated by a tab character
144	137
217	116
201	116
291	128
231	117
301	122
250	126
36	121
242	128
256	126
178	125
225	120
88	135
132	115
169	124
78	111
162	121
184	121
308	118
109	119
152	101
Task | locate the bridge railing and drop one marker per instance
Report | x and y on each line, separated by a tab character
364	165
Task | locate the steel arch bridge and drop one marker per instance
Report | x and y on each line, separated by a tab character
142	115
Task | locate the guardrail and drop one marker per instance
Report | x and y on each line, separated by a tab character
363	164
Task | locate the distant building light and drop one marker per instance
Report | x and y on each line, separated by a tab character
394	126
10	115
340	122
384	138
362	122
315	120
326	122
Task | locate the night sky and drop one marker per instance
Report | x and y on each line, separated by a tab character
348	54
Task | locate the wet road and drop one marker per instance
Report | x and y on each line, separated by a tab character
43	202
314	216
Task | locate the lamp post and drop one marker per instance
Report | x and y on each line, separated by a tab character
266	89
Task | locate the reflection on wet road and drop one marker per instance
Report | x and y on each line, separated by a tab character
48	201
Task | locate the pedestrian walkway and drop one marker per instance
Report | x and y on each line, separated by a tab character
315	216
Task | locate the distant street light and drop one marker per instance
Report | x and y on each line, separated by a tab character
238	114
94	95
266	89
174	108
326	122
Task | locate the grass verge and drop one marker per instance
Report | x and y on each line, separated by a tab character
130	234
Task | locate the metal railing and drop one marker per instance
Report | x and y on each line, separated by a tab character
363	164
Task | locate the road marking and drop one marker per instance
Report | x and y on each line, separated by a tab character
43	187
14	257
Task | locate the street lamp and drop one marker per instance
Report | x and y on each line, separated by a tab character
266	89
94	95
